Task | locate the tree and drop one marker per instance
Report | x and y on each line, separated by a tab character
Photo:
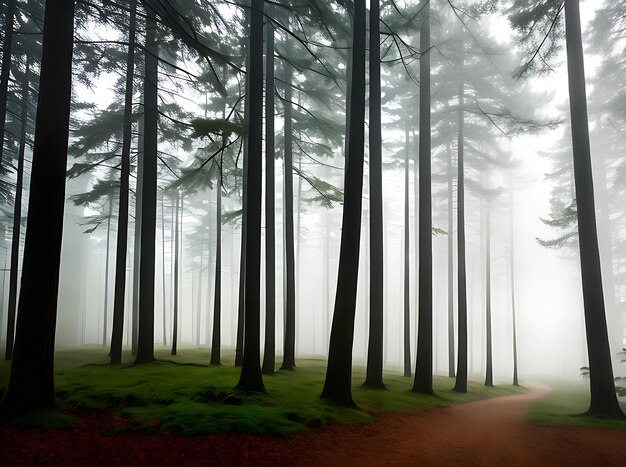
424	361
374	375
251	379
5	71
337	385
122	225
31	383
145	336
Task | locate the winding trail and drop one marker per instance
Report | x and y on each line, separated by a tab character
491	432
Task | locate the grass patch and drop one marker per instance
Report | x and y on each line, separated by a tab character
565	405
184	395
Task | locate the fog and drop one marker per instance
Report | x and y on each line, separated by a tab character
523	193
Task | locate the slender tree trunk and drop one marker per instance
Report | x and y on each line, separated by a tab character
407	271
450	266
31	383
603	397
5	72
199	296
176	281
270	224
489	356
461	369
374	375
17	218
251	379
122	224
289	359
163	267
216	341
512	266
424	360
337	385
105	320
145	337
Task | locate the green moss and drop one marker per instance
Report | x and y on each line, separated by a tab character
566	406
185	395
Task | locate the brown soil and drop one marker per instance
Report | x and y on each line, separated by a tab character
491	433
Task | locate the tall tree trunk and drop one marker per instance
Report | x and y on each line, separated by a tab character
424	360
337	385
512	266
270	224
374	375
461	369
603	397
31	383
17	218
289	359
5	72
164	297
145	337
216	340
122	223
489	348
407	272
450	266
176	281
251	379
105	320
199	296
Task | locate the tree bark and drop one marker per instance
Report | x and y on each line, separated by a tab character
374	375
270	224
461	369
216	340
513	303
145	337
176	270
17	218
407	269
424	360
337	385
603	397
122	224
31	383
450	266
251	379
289	360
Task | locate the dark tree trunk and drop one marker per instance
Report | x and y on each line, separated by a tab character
31	383
603	397
176	251
251	378
122	224
145	337
17	218
289	359
216	341
105	319
5	72
424	360
337	386
163	278
450	267
407	270
461	369
269	356
489	364
374	375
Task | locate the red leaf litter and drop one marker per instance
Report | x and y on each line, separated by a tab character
490	433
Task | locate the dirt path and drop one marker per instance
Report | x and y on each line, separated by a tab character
490	433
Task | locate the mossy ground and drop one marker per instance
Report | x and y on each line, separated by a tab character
167	395
566	405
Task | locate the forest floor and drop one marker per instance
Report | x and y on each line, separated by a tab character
495	431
